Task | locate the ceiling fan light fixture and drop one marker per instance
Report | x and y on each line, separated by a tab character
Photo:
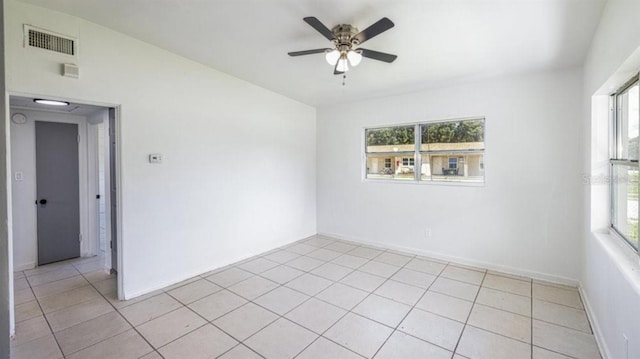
354	57
343	65
332	57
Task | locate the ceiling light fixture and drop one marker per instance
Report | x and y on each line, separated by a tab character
50	102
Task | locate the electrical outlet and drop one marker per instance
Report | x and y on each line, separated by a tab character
155	158
427	233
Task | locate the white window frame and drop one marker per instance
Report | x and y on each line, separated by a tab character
418	153
616	159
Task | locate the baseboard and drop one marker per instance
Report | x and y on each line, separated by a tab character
132	295
461	260
595	324
24	266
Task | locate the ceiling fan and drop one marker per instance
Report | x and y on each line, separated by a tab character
346	41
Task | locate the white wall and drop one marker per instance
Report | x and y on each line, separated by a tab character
610	280
239	165
526	219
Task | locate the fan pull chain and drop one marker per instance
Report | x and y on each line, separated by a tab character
344	78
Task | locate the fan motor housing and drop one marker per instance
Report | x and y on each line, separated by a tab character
344	33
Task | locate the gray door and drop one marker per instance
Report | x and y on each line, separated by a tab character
112	189
58	188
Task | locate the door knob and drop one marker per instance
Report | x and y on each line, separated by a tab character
43	201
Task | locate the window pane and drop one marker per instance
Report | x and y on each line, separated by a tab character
468	167
390	167
629	122
625	202
391	139
453	135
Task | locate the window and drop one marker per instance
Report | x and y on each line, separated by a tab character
624	162
449	151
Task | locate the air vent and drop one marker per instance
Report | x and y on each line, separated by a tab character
50	41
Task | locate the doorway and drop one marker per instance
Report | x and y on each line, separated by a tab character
63	171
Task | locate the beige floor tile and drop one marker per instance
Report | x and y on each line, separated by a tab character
55	275
380	269
127	345
342	296
500	322
304	263
253	287
445	305
433	328
281	300
400	292
561	315
563	340
539	353
229	277
309	284
183	283
462	274
170	326
281	339
323	348
359	334
107	286
393	258
425	266
509	275
363	281
341	247
91	332
324	254
568	297
332	271
27	311
60	286
119	304
217	304
281	256
282	274
319	241
98	276
455	288
240	352
301	248
70	316
245	321
59	301
92	266
203	343
149	309
152	355
47	268
42	348
481	344
403	346
316	315
258	265
382	310
510	285
20	283
555	284
414	278
349	261
365	252
30	329
193	291
505	301
23	296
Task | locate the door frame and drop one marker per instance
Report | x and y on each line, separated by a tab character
119	197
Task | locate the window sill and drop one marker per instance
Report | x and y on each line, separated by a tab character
426	183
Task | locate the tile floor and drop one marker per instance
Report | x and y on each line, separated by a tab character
316	298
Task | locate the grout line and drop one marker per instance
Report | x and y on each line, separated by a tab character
455	349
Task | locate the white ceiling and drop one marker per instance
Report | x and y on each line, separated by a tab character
438	42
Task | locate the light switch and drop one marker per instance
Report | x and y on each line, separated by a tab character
18	176
155	158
